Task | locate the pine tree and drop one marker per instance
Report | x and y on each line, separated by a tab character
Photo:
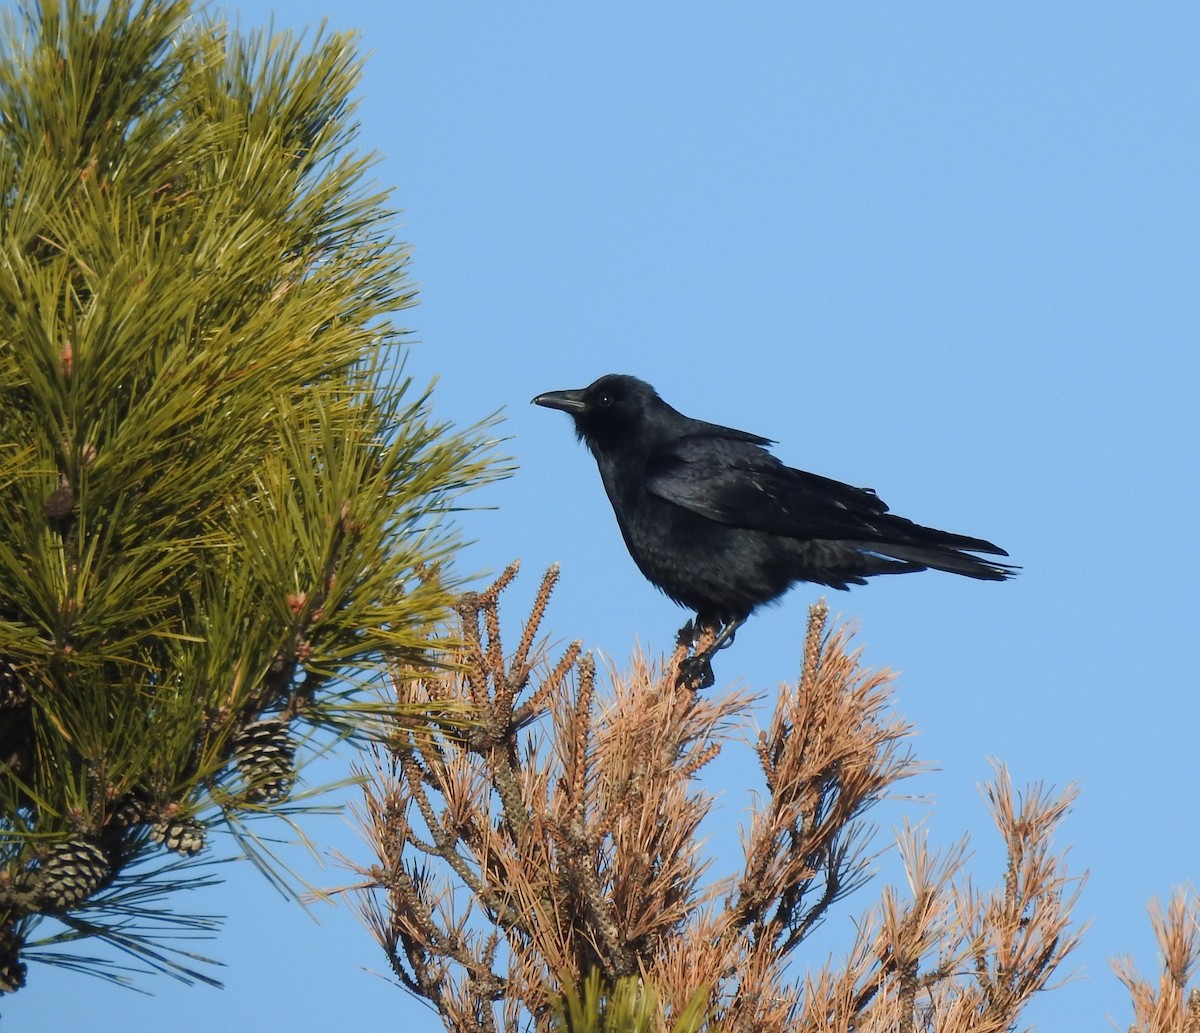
220	502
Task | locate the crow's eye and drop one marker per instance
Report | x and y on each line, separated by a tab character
604	401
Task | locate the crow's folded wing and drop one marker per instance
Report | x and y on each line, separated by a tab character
742	485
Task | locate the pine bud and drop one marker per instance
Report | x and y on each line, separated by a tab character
59	503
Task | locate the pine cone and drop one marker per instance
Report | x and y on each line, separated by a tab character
12	693
265	756
130	810
12	969
70	873
183	835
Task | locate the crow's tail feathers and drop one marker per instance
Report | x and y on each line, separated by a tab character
926	548
950	558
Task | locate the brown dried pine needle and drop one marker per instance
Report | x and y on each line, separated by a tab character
1173	1005
561	834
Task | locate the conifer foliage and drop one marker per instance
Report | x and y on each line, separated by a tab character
547	870
219	502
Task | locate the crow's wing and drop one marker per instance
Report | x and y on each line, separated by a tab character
736	482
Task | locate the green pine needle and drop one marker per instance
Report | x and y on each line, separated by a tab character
219	497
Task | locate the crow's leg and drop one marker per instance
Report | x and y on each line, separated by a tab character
726	636
697	669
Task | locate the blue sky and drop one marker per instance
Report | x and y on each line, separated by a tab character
947	250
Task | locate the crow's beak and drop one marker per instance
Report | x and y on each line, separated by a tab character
567	401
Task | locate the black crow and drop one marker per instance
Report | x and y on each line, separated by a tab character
722	526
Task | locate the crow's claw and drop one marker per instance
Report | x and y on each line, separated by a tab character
686	635
697	672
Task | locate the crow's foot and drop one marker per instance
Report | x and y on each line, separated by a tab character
696	672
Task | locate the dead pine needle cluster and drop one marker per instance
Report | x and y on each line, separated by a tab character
556	841
1173	1005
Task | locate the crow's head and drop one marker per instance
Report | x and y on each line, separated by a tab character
609	411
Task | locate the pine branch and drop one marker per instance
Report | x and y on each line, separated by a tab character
221	506
527	854
1173	1005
